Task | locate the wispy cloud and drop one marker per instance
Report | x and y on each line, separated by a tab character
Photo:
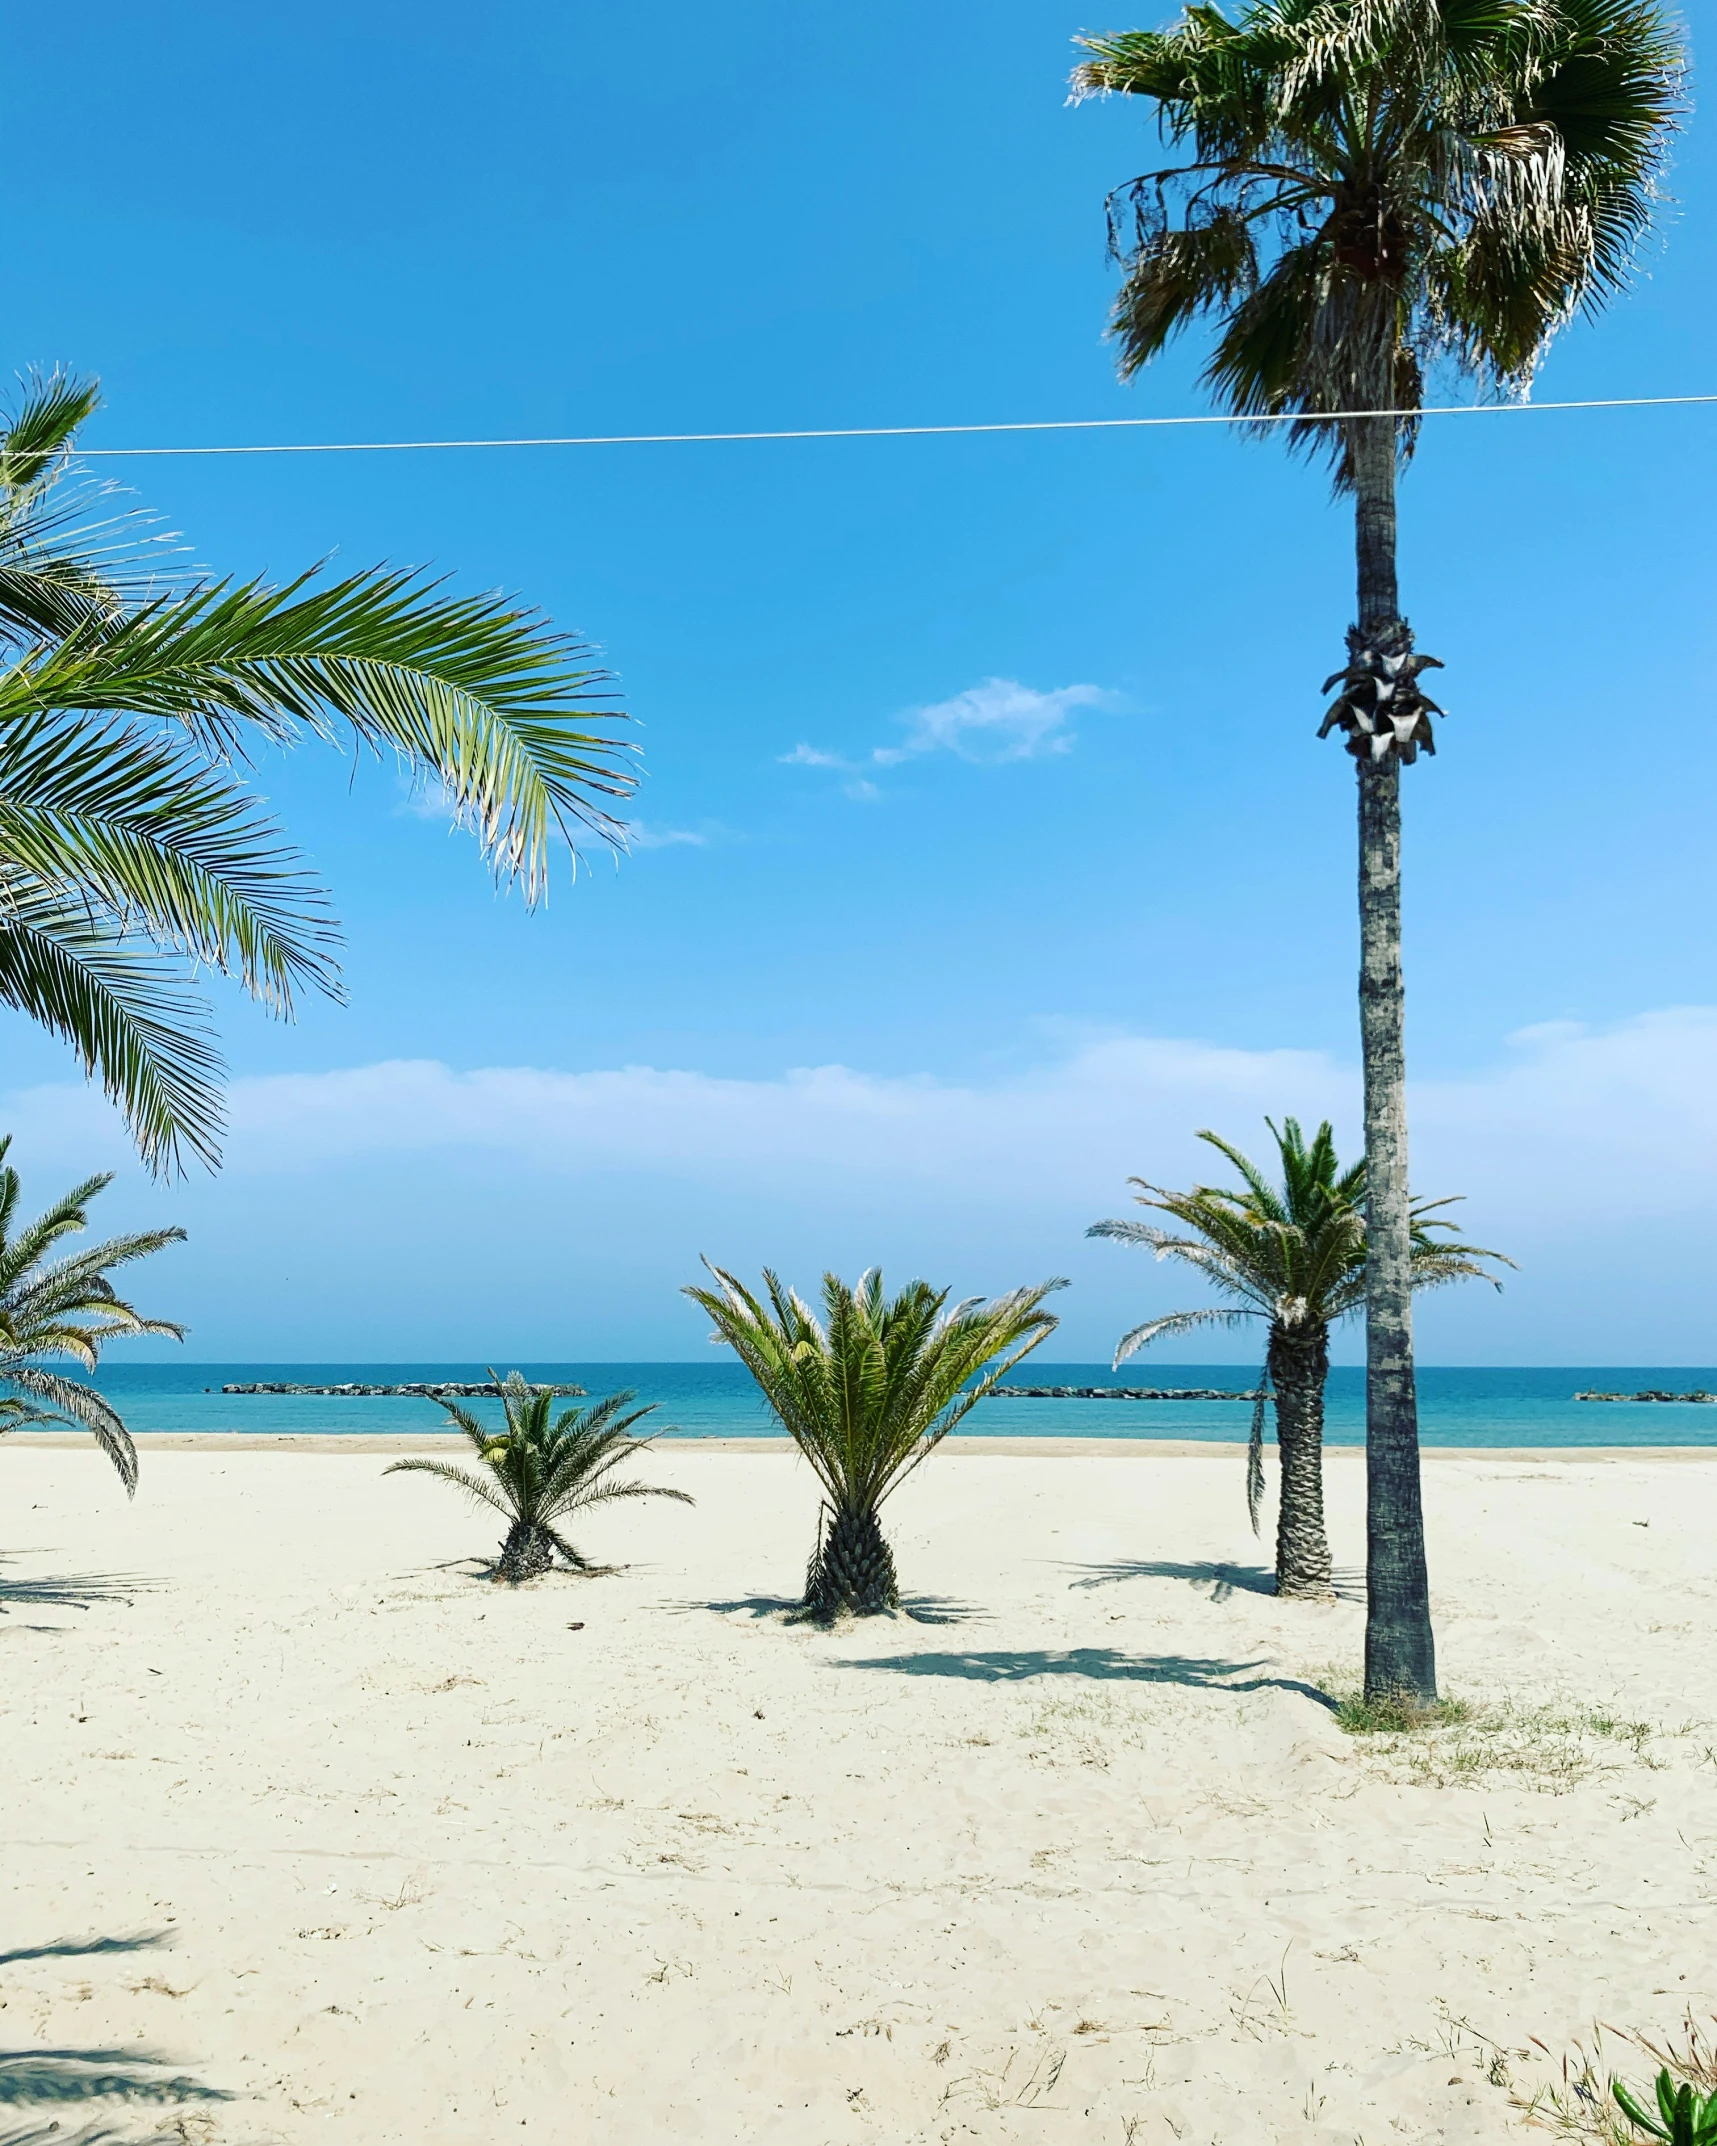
641	835
997	720
813	756
422	797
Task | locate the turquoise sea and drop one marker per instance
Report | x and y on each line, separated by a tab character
1457	1407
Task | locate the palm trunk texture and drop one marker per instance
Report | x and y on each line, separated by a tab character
1400	1653
852	1569
1299	1368
527	1553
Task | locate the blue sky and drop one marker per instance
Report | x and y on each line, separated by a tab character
981	769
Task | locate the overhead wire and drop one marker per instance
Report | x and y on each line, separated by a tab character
897	432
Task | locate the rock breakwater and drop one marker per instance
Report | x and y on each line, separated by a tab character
1119	1393
415	1390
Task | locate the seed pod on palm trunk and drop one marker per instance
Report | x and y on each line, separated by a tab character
1380	706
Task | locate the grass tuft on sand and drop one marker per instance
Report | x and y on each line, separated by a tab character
1398	1714
1459	1741
1582	2105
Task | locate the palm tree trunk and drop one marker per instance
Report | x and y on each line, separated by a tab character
1299	1367
527	1553
852	1568
1400	1654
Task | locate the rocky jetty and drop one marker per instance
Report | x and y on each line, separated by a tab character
1120	1393
1654	1394
484	1389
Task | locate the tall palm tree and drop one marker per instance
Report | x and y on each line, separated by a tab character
1365	188
867	1393
132	700
543	1468
66	1307
1294	1256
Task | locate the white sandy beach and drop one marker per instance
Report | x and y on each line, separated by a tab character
1073	1853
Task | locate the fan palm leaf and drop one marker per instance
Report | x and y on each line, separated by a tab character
866	1393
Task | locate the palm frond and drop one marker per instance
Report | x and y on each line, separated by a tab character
38	434
871	1389
472	692
128	846
1372	189
1177	1322
484	1489
130	1018
541	1468
164	846
82	1404
1293	1253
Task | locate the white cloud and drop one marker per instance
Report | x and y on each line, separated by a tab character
804	755
641	835
1589	1154
1619	1121
997	720
422	797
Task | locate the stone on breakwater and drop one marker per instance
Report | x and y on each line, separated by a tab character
415	1391
1653	1394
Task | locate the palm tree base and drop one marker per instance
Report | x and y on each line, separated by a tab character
1305	1590
852	1569
527	1554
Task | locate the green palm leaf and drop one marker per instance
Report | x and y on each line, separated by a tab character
128	844
1293	1254
866	1393
1368	189
66	1307
540	1469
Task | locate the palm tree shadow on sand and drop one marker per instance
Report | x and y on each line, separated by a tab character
31	2078
84	1948
1106	1664
1223	1580
74	1590
54	2133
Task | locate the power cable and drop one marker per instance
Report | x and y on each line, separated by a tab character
899	432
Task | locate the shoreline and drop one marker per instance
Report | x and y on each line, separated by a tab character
1025	1447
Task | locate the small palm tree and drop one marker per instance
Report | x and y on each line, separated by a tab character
66	1307
132	701
865	1394
1361	190
1294	1256
544	1468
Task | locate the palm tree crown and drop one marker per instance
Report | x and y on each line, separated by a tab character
66	1307
543	1468
131	700
1372	185
866	1393
1293	1255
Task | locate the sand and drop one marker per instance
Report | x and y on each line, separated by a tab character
311	1834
